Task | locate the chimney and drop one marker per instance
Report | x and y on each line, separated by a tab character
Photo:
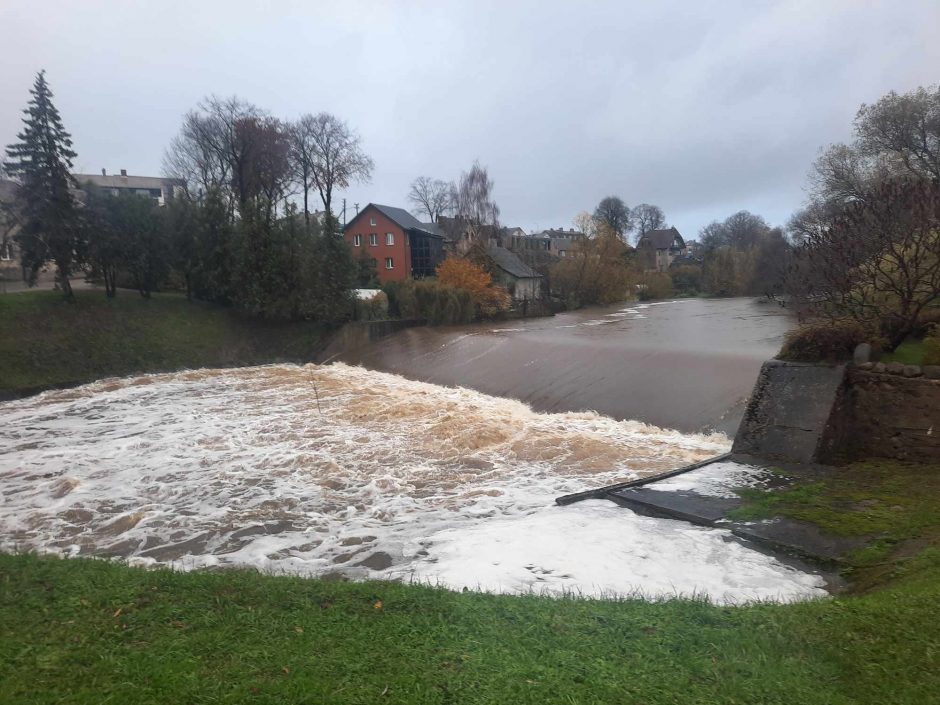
104	172
123	172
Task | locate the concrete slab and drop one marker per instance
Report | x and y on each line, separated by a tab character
687	506
788	414
799	538
706	496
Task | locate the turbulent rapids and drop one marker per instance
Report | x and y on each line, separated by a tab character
320	470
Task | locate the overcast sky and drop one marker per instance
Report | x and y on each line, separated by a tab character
703	108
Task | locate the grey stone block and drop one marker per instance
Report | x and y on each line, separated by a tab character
894	368
931	371
862	353
911	371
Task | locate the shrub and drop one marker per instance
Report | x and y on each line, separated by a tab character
932	346
489	299
687	279
429	300
823	342
655	285
372	309
929	318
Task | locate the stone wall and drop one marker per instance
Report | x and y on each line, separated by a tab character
800	412
891	411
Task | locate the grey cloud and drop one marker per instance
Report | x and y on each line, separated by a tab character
702	108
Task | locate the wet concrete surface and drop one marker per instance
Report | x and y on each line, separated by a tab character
688	364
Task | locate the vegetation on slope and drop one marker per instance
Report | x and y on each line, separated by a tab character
48	342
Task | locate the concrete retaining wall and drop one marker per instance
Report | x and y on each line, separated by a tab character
788	414
803	413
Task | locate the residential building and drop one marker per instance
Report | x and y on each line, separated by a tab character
401	246
657	249
158	188
560	241
521	281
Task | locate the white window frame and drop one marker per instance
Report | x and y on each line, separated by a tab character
389	238
357	240
372	221
373	240
389	263
6	252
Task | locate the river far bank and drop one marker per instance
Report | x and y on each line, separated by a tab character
50	343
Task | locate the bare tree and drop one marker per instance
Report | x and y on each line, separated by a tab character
208	152
741	231
303	155
877	264
339	159
586	223
905	126
473	199
613	211
431	196
898	136
648	217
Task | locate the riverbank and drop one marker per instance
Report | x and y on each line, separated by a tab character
84	631
48	342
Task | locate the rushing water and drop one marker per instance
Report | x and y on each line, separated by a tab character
687	364
339	469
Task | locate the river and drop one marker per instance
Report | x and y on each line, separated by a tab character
339	470
687	364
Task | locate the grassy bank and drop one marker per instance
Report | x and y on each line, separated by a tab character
47	341
84	631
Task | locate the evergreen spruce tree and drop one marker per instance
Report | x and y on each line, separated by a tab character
41	162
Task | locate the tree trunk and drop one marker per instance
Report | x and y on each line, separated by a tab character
65	284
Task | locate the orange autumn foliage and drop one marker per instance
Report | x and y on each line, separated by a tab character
488	298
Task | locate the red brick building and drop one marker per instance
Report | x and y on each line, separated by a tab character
401	246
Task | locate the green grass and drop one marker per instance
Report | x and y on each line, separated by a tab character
47	341
84	631
910	352
896	505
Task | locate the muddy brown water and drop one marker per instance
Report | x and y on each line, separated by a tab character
687	364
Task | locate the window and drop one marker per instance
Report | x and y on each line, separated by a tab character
389	238
373	239
6	251
389	264
372	222
357	240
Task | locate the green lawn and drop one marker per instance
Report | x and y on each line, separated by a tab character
86	631
910	352
47	341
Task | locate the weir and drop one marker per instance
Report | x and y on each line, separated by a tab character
799	417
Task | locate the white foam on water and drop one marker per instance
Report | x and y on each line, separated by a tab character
716	479
322	469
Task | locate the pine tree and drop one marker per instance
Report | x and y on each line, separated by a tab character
41	162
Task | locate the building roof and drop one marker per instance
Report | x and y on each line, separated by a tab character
559	232
510	263
662	239
118	181
400	217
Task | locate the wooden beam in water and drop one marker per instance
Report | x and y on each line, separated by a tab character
601	491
